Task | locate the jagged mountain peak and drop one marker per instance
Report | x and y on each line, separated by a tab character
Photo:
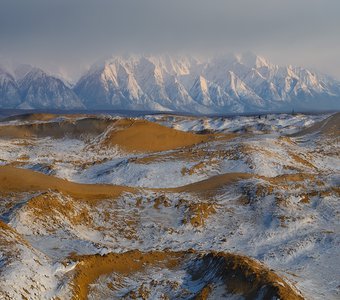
218	84
9	90
176	81
5	75
41	90
36	74
22	70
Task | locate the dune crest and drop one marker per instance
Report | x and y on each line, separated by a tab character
57	129
239	274
11	180
329	126
145	136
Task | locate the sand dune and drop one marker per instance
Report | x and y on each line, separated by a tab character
21	180
145	136
241	275
59	129
10	181
330	126
213	184
263	195
129	134
43	117
31	117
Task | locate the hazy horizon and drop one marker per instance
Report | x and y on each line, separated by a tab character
66	37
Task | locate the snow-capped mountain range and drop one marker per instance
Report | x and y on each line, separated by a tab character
222	84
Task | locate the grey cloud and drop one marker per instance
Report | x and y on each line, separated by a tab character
72	33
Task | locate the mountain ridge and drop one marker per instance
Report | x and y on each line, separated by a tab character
236	83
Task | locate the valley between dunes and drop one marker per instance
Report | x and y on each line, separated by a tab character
169	207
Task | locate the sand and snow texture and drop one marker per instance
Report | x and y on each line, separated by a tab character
266	187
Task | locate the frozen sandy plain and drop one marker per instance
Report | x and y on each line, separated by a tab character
170	207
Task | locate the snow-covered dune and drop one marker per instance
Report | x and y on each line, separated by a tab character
169	206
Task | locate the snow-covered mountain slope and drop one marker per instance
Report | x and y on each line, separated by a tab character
221	84
32	88
40	90
9	90
233	83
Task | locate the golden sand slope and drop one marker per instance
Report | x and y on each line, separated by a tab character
330	126
241	274
32	117
145	136
213	184
129	134
70	128
21	180
90	267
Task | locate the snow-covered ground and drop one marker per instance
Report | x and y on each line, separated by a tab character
284	212
278	123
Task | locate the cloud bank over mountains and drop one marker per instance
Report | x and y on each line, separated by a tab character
66	36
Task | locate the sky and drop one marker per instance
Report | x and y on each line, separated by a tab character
67	36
